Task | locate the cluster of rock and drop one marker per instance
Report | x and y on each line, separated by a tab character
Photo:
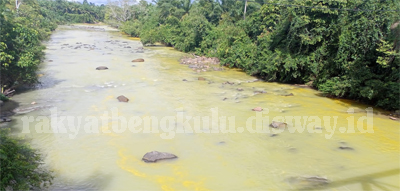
89	28
79	45
124	44
202	64
121	98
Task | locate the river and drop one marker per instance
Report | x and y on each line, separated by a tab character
99	157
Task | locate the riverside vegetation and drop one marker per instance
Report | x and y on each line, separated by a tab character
346	49
23	26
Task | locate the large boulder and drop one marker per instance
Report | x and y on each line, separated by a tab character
122	98
138	60
154	156
102	68
277	124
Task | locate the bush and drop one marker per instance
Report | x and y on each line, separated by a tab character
20	166
131	28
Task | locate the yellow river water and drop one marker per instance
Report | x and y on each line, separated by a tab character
208	159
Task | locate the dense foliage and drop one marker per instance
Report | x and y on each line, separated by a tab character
24	28
62	11
343	48
20	167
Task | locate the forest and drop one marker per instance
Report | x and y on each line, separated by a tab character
346	49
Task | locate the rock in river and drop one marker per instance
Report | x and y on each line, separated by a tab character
5	119
345	148
122	98
101	68
154	156
277	124
201	78
138	60
308	182
257	109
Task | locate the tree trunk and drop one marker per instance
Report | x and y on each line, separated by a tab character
245	7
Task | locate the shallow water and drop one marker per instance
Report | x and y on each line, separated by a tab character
107	159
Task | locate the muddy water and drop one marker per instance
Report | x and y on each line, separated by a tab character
98	157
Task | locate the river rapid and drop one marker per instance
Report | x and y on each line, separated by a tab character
325	155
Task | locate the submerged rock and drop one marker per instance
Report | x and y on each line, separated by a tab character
277	124
217	69
230	83
122	98
154	156
23	110
201	79
255	80
5	119
257	109
308	182
288	94
260	92
239	89
102	68
138	60
345	148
